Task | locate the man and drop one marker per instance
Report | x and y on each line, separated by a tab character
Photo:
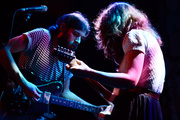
36	47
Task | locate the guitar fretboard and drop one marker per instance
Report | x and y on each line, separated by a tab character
73	104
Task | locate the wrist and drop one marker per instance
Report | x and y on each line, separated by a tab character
21	80
90	73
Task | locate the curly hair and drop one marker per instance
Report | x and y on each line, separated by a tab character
114	22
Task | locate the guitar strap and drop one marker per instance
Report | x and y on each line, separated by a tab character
63	76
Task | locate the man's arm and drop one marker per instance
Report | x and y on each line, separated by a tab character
17	44
70	95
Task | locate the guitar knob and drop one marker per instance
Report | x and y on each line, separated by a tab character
58	87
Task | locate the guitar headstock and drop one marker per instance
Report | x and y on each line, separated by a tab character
63	54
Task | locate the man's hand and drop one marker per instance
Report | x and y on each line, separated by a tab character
31	90
103	107
106	111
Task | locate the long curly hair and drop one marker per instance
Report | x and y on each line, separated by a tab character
114	22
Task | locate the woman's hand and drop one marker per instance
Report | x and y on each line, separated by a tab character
79	69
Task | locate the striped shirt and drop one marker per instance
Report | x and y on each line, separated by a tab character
38	57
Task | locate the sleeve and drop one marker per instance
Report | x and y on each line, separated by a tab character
134	40
68	75
35	36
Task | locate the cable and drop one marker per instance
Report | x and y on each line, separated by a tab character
12	24
3	44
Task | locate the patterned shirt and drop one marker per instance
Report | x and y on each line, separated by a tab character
38	57
153	72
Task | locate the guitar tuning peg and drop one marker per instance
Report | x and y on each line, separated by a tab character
69	51
60	48
73	53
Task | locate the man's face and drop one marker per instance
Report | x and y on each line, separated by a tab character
71	38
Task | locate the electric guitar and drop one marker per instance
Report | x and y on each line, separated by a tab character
18	103
68	56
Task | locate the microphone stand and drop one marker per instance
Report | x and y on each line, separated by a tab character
3	44
25	20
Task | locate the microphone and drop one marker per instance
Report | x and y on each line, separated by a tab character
42	8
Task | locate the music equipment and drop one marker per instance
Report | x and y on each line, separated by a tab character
68	56
42	8
18	103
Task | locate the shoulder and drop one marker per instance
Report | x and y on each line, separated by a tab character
135	40
40	30
38	33
45	31
37	36
135	35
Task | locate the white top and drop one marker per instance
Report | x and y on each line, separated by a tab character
153	72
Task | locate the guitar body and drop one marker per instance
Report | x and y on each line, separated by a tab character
39	107
69	57
55	87
15	101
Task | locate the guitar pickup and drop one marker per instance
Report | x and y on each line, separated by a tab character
46	97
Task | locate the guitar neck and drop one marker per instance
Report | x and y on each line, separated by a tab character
73	104
100	89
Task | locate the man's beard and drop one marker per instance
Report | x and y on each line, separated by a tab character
62	41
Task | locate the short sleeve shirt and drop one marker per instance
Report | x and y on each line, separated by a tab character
153	72
38	57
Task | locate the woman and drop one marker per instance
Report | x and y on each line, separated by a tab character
127	37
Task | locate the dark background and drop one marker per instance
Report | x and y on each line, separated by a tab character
163	14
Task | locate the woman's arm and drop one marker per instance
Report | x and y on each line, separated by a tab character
127	79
